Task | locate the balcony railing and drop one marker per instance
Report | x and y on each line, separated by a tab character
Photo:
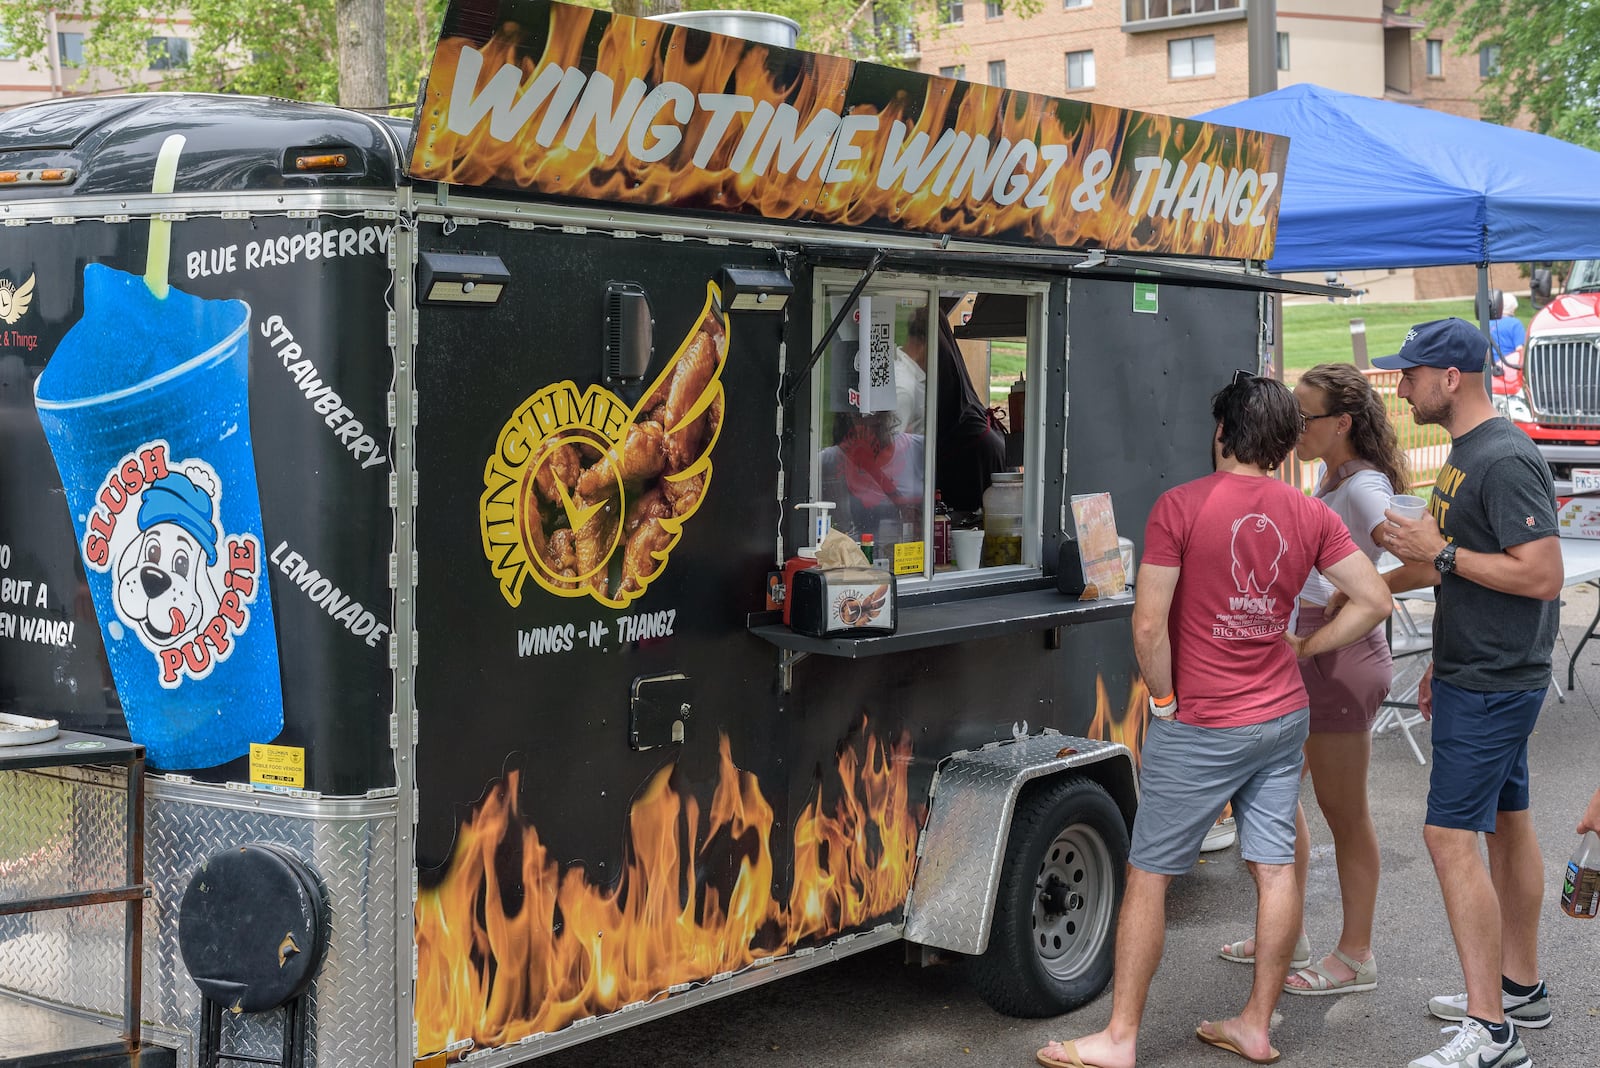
1139	16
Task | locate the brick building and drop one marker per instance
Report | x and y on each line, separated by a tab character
60	70
1182	57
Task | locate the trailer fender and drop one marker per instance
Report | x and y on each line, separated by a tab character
963	847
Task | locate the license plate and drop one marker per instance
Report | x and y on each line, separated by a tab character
1585	479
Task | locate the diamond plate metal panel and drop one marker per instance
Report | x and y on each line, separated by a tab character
74	956
59	839
964	845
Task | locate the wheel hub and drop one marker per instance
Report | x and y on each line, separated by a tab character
1072	902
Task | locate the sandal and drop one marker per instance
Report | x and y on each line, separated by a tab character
1301	958
1319	981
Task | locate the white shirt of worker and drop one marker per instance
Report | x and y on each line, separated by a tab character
911	392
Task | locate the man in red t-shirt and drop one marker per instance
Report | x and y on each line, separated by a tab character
1224	558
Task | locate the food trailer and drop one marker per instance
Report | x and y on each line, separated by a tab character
393	520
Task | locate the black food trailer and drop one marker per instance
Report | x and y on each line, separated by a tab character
397	515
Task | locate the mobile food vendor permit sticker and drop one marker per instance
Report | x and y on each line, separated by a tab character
277	767
908	558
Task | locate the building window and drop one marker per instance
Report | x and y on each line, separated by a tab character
1070	4
997	73
70	47
993	9
1283	51
1435	58
957	71
168	53
1148	10
1080	70
1192	57
1488	61
954	11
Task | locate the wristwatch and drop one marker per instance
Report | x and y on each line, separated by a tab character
1445	562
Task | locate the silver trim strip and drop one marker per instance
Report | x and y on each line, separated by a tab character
253	202
402	250
322	809
644	1012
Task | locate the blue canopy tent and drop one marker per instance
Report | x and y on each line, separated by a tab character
1371	184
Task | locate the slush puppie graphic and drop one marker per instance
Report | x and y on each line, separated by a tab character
145	407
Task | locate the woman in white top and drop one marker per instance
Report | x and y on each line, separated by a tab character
1346	428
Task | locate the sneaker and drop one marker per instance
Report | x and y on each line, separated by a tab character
1473	1048
1222	834
1530	1011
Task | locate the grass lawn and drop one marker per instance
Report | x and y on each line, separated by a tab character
1320	333
1312	334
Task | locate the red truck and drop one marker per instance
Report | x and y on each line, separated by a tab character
1551	386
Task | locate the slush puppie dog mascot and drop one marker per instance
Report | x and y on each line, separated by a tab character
164	587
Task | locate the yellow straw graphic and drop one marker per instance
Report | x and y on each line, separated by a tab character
156	260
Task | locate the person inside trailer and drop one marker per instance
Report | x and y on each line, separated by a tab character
874	474
967	450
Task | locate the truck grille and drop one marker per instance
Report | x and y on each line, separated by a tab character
1562	376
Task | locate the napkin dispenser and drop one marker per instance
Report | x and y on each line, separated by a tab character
843	602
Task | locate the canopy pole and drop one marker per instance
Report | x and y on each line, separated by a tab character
1484	312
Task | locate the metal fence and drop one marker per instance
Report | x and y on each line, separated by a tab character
1425	446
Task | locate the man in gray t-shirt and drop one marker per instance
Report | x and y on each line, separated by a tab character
1490	544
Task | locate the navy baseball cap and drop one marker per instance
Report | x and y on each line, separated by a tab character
1442	343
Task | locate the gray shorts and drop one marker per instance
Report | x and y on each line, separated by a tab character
1188	773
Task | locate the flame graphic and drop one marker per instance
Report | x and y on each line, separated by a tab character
507	949
1075	211
1131	727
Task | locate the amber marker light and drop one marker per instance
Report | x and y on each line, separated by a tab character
332	161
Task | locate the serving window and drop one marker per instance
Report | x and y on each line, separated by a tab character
926	424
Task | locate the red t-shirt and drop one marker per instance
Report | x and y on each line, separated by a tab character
1245	545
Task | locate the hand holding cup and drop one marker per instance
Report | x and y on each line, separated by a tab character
1410	533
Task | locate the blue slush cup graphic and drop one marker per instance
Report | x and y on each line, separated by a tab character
145	405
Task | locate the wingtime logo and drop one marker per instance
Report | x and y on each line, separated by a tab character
588	496
15	300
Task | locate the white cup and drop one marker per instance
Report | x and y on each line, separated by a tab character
968	545
1408	506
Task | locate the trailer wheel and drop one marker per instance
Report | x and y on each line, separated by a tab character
1050	946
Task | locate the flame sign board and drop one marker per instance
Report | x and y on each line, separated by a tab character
535	96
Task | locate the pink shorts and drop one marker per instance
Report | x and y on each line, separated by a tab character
1347	685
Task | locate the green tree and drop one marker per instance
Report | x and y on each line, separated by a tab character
287	47
262	47
1548	60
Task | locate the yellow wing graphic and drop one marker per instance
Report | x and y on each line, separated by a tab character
686	403
16	306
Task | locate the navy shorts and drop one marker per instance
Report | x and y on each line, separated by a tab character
1188	773
1480	755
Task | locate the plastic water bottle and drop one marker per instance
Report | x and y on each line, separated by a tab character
1580	896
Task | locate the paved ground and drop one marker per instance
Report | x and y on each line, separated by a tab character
874	1010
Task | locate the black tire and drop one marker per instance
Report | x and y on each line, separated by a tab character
1052	940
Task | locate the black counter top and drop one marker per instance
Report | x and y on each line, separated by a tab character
928	626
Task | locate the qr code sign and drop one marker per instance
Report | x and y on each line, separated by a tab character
880	355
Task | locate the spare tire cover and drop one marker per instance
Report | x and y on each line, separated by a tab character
251	927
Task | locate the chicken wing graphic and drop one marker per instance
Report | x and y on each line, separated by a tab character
595	514
686	403
14	300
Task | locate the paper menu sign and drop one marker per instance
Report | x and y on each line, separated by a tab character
1095	526
875	389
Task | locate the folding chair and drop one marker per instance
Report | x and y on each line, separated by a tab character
1412	652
